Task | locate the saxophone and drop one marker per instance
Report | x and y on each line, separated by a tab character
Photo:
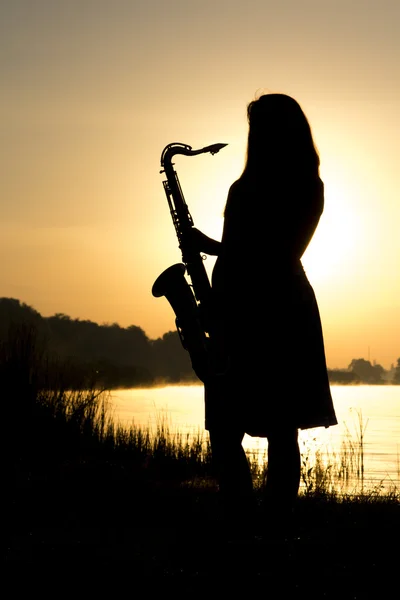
189	301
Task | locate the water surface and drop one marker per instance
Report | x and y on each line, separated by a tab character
368	416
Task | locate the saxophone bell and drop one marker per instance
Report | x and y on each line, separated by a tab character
173	285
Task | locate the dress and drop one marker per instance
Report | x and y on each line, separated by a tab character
265	310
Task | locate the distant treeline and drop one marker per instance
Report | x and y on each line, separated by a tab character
363	371
111	356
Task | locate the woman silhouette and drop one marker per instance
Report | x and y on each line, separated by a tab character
264	312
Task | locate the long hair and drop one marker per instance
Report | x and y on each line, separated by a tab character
280	138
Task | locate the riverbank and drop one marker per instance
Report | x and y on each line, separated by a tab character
338	548
80	488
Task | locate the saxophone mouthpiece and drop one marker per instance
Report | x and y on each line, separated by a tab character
215	148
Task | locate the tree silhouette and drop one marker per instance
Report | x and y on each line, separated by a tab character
396	378
114	356
367	372
106	355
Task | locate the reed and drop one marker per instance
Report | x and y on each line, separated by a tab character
50	426
84	420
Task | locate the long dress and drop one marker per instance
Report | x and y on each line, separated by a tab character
266	314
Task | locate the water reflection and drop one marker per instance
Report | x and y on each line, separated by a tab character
361	452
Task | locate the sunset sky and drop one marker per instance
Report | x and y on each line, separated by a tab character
93	90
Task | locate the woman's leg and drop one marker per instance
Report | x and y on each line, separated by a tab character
283	473
230	462
233	474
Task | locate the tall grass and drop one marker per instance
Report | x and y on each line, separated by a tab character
52	430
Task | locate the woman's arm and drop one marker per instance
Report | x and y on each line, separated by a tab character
302	226
202	243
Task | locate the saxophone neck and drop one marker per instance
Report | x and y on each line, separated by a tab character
178	148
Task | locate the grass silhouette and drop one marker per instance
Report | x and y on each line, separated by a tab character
78	484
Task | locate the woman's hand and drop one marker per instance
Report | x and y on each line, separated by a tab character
199	242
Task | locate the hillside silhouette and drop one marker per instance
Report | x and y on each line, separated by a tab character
111	356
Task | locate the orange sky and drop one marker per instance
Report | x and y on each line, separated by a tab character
93	90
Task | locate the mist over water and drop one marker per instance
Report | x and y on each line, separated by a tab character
368	416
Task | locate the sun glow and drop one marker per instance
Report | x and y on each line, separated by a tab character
336	242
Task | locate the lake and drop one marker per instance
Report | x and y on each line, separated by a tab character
363	450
